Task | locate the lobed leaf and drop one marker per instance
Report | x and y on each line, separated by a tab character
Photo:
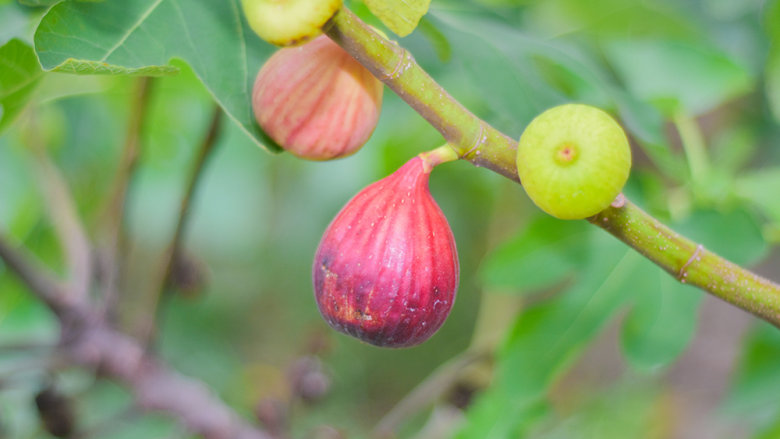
141	37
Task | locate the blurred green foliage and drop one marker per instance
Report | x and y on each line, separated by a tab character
696	83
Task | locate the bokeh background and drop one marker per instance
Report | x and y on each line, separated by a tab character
558	331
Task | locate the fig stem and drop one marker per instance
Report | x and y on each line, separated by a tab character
435	157
476	141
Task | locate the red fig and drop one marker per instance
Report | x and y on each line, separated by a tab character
386	270
316	101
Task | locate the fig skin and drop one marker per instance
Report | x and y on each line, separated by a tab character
573	160
289	22
386	270
316	101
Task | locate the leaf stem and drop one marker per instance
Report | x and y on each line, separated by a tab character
693	144
476	141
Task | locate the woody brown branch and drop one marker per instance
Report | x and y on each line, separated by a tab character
88	341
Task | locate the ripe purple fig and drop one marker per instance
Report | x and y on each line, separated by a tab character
316	101
386	270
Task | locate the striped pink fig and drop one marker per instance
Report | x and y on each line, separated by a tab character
316	101
386	270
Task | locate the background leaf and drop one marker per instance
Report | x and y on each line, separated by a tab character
754	391
662	321
142	36
547	252
19	74
546	338
773	78
760	187
672	73
401	16
519	75
39	2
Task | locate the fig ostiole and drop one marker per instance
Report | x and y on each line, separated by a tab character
316	101
386	270
573	160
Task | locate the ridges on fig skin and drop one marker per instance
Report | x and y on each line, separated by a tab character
386	270
316	101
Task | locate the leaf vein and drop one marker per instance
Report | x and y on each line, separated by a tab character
132	29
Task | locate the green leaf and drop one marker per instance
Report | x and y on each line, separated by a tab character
753	396
19	74
498	59
520	75
735	235
14	22
772	19
140	37
772	77
760	188
772	69
39	2
547	339
546	252
663	320
401	16
437	40
671	73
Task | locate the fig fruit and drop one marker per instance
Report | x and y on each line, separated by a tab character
287	22
316	101
386	270
573	160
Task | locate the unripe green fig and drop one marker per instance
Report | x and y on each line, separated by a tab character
289	22
573	161
316	101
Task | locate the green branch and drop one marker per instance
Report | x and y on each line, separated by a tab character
476	141
472	138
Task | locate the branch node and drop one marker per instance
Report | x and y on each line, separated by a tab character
682	274
619	202
478	142
405	61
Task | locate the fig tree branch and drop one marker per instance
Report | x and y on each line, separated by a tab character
110	230
467	134
174	247
427	392
476	141
88	341
64	215
40	281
